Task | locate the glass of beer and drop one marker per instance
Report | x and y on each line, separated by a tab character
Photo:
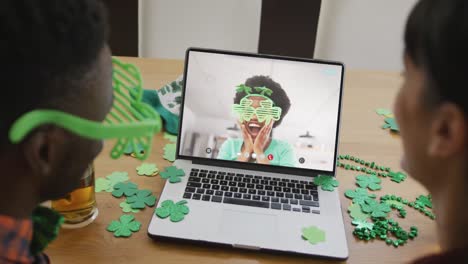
79	207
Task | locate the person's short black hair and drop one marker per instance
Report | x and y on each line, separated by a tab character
46	48
279	96
436	40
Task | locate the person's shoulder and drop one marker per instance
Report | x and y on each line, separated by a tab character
281	143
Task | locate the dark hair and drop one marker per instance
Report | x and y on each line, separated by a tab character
436	40
279	96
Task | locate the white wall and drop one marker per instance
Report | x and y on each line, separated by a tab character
364	34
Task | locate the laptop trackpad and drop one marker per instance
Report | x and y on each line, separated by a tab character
247	228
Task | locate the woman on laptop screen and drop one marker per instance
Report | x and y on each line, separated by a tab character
260	105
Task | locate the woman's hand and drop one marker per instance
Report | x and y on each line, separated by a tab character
248	146
262	141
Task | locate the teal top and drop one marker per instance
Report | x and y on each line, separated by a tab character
281	151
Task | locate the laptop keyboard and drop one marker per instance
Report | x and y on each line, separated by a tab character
249	190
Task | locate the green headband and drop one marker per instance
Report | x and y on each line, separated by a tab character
265	113
130	120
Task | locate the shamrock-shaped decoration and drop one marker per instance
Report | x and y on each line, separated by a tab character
103	185
376	209
170	152
356	213
397	176
313	234
117	176
141	199
384	112
362	224
359	196
172	174
130	150
244	110
242	88
124	227
127	208
267	112
327	183
176	211
372	182
395	203
263	91
390	123
127	188
423	201
171	138
147	169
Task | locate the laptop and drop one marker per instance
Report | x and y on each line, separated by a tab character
254	132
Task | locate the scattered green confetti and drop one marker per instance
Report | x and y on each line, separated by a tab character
141	199
172	174
395	203
127	188
129	149
376	209
125	226
170	152
126	208
147	169
362	224
327	183
424	201
176	211
359	196
356	212
383	112
390	123
171	138
372	182
117	176
313	234
103	185
397	176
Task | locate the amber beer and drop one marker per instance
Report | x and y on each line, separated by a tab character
79	207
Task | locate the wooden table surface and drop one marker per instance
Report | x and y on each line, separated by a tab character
361	135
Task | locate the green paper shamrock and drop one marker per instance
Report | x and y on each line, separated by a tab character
390	122
147	169
397	176
172	174
176	211
372	182
362	224
103	185
383	111
127	188
171	138
356	213
124	227
117	176
376	209
170	152
126	208
129	149
266	112
423	201
327	183
313	234
141	199
359	196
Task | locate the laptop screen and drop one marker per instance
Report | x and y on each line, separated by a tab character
270	111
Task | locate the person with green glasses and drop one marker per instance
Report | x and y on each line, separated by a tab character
260	105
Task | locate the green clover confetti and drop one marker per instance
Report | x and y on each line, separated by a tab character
356	212
141	199
117	176
103	185
129	149
424	201
390	123
176	211
127	208
171	138
127	188
125	226
327	183
376	209
362	224
384	112
170	152
313	234
372	182
172	174
397	176
359	196
395	203
147	169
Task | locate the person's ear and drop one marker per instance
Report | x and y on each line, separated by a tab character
43	149
447	131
